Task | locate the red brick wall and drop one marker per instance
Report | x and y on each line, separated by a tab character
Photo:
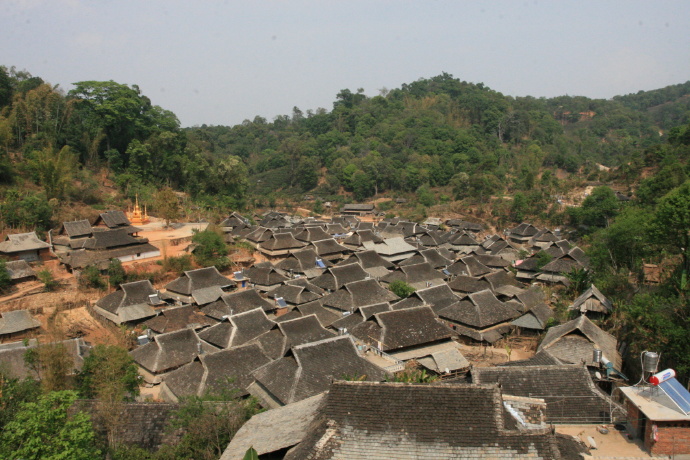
634	416
674	438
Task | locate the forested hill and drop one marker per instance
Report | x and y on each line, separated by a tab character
461	140
442	131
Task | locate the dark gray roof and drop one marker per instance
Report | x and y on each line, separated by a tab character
19	269
399	329
325	315
370	259
17	321
336	277
281	242
524	230
592	300
541	358
297	292
358	294
20	242
169	351
311	369
213	374
469	266
265	276
360	315
468	284
479	310
303	330
492	261
176	318
430	256
329	247
308	234
415	274
201	278
259	234
76	229
574	341
464	225
361	235
114	219
571	396
363	420
357	207
131	302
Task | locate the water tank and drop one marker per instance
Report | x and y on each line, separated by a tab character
662	376
650	361
596	355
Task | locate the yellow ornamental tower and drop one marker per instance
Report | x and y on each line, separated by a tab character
136	217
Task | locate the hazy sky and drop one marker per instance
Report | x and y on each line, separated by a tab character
219	62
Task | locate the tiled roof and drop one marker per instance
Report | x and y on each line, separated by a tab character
274	430
582	337
19	242
76	228
358	294
201	278
336	277
130	302
213	374
479	310
169	351
402	329
17	321
592	300
311	369
237	302
370	421
176	318
303	330
19	269
571	396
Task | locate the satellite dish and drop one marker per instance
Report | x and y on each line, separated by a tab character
597	374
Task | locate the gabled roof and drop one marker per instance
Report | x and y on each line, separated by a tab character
541	358
358	294
265	276
462	239
14	365
464	225
574	341
360	235
437	297
304	330
360	315
370	259
176	318
357	207
571	396
524	230
310	370
235	303
399	329
194	280
468	284
363	420
390	247
234	220
115	238
131	302
20	242
281	242
430	256
113	219
76	229
19	269
536	318
169	351
416	275
479	310
15	321
329	247
325	315
213	374
259	234
297	292
308	234
469	266
336	277
303	262
492	261
274	430
592	300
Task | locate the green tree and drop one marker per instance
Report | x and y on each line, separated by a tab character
90	277
672	223
49	282
210	249
52	365
116	273
425	196
308	173
167	205
5	279
47	430
401	289
54	170
597	210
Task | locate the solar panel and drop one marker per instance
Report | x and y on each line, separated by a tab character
320	264
678	394
281	302
446	272
238	276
